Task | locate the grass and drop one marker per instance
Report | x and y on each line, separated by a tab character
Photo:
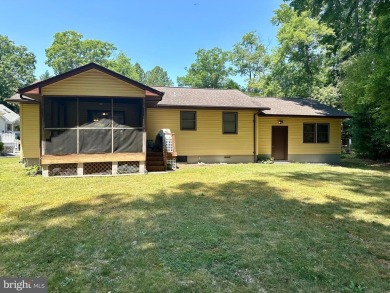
224	228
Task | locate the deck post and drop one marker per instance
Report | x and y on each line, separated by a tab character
45	170
80	169
114	168
142	167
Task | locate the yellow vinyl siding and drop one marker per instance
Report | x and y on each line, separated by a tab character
295	135
29	123
207	139
92	83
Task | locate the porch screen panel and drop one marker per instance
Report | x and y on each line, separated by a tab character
128	140
95	112
60	112
128	113
95	141
60	142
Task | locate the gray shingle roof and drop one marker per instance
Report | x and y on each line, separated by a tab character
299	107
220	98
206	98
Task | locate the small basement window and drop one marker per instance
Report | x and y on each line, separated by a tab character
316	132
229	122
187	120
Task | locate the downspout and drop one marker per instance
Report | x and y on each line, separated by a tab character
254	136
41	131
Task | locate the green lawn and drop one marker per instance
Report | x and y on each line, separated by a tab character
223	228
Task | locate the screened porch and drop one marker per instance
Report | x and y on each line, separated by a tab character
92	125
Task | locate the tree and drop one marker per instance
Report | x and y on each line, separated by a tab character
350	21
122	65
68	51
209	70
140	73
157	77
379	80
45	75
366	88
298	65
359	64
232	85
249	56
17	67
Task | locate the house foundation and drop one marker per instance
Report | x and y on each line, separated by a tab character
93	169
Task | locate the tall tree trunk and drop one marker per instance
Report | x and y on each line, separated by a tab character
307	61
356	45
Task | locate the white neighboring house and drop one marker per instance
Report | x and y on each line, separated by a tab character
9	129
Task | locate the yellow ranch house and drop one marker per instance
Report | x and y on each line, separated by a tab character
93	121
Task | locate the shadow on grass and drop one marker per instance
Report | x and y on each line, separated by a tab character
350	161
237	236
364	185
369	184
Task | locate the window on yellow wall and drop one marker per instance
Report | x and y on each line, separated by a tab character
322	133
309	132
229	122
316	132
187	120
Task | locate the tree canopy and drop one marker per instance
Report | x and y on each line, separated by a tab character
350	20
157	77
298	64
366	91
250	58
69	51
45	75
122	65
140	72
210	70
17	67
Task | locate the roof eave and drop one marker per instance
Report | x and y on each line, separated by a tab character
210	107
311	116
19	98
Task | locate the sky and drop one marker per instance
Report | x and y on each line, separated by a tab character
151	32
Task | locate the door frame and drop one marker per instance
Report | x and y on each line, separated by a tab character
286	144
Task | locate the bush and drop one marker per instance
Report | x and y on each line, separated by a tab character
264	159
1	147
33	170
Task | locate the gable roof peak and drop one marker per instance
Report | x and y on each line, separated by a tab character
85	68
